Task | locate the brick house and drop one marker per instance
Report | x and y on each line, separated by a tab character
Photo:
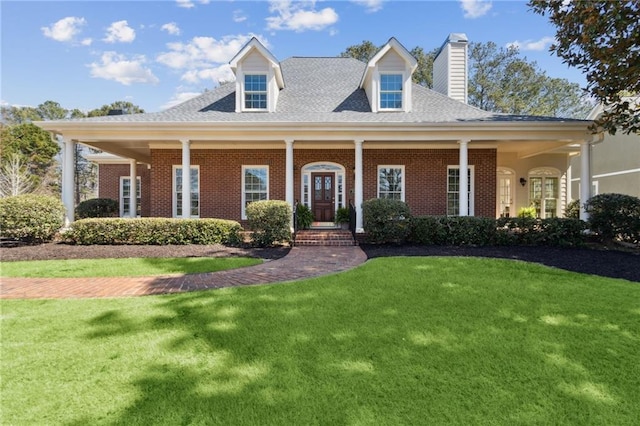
327	132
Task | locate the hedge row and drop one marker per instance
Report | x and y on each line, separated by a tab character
30	218
154	231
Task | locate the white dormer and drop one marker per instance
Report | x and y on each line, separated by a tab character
258	78
387	78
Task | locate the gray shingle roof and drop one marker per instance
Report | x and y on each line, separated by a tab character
321	90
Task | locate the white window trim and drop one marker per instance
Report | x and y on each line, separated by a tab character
245	91
403	90
472	192
121	197
242	189
544	173
403	174
174	198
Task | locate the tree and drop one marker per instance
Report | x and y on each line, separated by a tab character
601	38
15	178
362	52
125	107
32	144
50	110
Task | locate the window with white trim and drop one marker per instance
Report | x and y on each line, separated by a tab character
391	182
255	91
255	185
453	190
544	190
391	91
195	191
125	192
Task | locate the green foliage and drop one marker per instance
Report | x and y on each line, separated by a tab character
154	231
386	220
32	144
362	52
342	215
600	38
124	106
30	218
529	231
615	216
270	221
304	216
453	230
528	212
97	207
572	210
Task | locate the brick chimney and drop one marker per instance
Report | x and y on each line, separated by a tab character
450	67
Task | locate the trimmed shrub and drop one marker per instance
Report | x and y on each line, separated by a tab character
572	210
386	221
154	231
270	221
97	207
342	215
304	216
31	218
536	232
453	230
615	217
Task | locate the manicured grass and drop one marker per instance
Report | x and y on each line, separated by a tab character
395	341
132	267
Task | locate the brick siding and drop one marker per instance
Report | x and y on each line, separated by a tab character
221	177
109	183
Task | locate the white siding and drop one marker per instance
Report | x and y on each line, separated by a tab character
255	62
450	71
391	62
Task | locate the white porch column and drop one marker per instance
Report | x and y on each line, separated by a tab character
585	177
289	198
358	187
464	178
68	180
133	189
186	178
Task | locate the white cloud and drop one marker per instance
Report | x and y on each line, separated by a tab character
370	5
202	52
239	16
179	98
114	66
536	45
120	32
65	29
299	16
86	42
218	74
475	8
172	28
188	4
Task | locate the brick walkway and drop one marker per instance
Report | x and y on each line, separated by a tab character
301	262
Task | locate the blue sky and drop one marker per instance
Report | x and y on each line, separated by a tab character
84	54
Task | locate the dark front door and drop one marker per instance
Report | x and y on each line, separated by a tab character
323	201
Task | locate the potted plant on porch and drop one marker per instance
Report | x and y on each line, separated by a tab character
342	217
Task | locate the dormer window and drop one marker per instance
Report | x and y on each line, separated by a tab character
391	91
255	91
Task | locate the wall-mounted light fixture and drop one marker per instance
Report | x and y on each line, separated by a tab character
523	181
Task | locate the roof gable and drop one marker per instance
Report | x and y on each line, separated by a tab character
254	46
399	49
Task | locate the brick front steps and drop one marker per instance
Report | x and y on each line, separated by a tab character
324	237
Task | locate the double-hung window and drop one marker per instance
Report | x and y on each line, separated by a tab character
391	91
544	187
125	192
255	91
391	182
453	190
255	185
194	199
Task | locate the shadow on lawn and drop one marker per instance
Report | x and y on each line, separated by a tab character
307	354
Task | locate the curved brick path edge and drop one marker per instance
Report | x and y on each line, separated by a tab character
299	263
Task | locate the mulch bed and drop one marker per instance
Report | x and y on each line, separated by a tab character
596	261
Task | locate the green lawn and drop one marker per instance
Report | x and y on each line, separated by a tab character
395	341
133	267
